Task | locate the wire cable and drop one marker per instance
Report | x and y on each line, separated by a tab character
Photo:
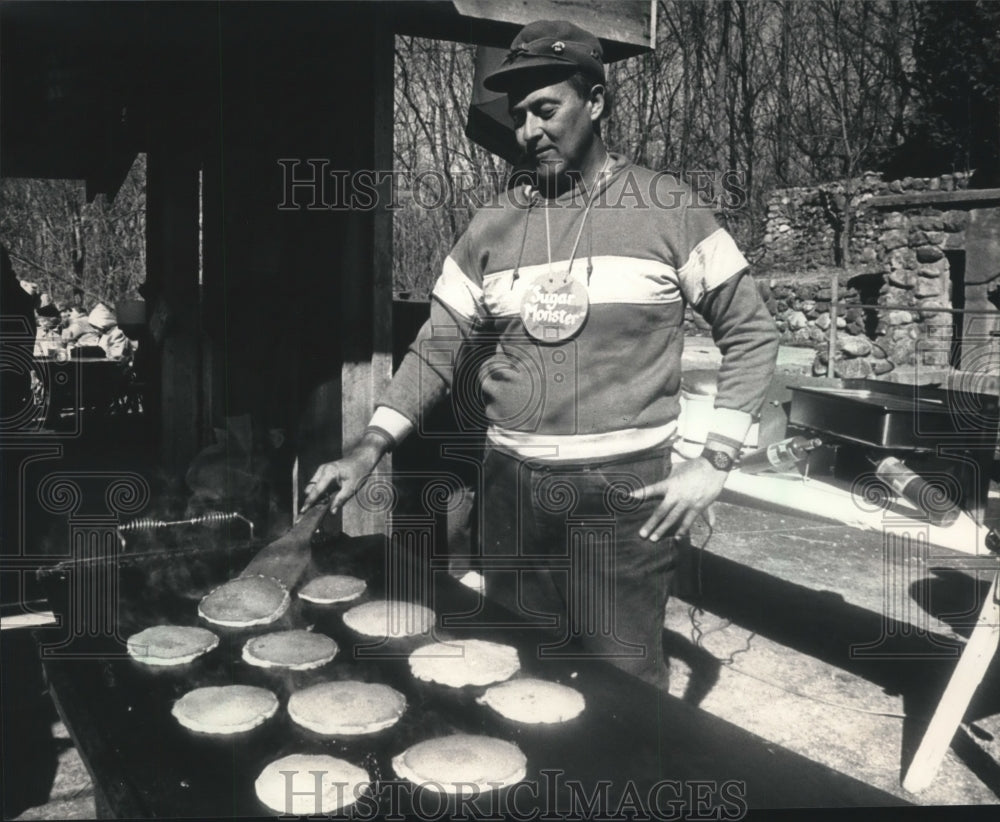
698	634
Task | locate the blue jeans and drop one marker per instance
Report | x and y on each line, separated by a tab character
561	549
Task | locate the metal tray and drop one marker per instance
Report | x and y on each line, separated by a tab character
886	415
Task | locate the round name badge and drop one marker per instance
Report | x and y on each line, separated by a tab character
554	309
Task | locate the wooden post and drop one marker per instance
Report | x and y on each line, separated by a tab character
367	287
979	341
172	261
832	347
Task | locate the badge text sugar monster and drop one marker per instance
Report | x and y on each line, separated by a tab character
553	309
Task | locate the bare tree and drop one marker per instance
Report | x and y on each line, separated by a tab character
78	252
851	94
772	93
444	175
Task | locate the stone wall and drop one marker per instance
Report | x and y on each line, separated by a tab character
803	224
900	272
801	311
914	248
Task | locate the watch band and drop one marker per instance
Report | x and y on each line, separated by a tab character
379	431
719	460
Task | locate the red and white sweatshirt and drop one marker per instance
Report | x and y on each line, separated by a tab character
613	389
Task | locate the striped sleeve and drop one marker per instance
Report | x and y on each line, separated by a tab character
748	339
457	291
711	262
392	422
425	375
703	253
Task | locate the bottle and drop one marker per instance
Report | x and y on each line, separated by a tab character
929	497
779	456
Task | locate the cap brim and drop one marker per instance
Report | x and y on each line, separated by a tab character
550	68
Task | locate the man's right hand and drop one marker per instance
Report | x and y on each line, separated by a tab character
347	473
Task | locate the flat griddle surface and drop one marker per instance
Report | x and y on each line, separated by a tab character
631	735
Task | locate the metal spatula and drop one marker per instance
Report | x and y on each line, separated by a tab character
287	557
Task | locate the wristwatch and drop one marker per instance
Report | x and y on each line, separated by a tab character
719	460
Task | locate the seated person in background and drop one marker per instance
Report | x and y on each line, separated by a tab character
115	344
67	316
112	339
80	332
48	340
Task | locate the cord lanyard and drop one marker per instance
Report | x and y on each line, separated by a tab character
556	305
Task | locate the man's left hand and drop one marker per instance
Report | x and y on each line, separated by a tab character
691	487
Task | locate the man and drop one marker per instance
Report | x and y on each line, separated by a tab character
48	340
578	284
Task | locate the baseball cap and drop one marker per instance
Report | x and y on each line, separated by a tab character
545	47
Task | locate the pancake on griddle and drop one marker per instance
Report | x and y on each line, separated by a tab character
296	650
457	763
464	662
332	588
170	644
245	601
534	701
389	618
225	709
346	708
340	784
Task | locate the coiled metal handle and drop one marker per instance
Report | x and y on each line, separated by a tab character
210	518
